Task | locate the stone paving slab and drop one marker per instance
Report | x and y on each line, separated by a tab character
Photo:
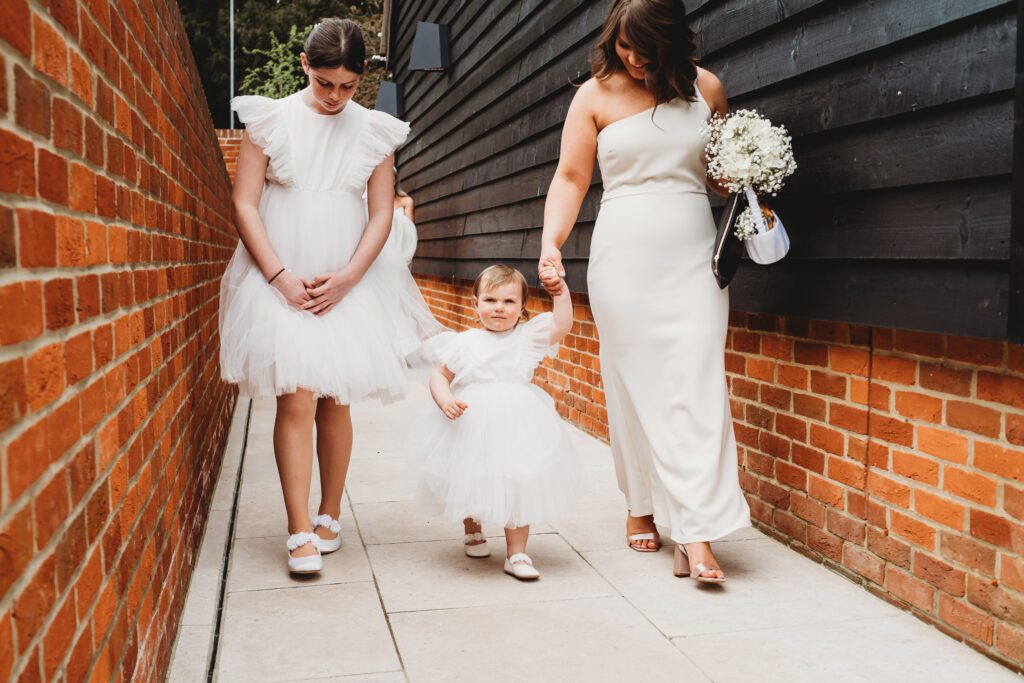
400	601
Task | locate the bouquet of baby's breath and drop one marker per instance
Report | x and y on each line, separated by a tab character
747	154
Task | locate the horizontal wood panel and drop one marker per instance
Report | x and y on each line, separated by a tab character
965	220
846	30
927	296
976	61
519	216
950	221
472	27
973	143
964	141
902	116
726	23
473	69
505	67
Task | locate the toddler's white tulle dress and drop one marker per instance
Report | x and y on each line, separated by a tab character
403	236
313	210
508	459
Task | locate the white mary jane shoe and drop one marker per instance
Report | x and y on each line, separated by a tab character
477	549
521	566
327	545
306	564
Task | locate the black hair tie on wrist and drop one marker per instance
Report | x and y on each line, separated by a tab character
271	280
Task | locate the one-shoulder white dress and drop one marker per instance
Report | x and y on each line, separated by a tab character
662	321
313	210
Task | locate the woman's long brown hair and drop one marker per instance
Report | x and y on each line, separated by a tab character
659	32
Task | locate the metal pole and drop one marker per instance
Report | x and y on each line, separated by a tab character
231	62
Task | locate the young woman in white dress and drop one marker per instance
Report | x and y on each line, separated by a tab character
312	311
660	314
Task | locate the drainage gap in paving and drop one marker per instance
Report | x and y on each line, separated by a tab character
222	592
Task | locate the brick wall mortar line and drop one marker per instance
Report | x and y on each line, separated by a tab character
12	507
203	227
54	88
47	337
98	73
50	273
169	499
25	350
101	479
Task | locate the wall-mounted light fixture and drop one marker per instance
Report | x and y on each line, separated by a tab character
390	99
430	48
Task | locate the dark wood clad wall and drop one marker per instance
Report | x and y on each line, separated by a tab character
902	115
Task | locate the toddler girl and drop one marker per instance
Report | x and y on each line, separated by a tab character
496	451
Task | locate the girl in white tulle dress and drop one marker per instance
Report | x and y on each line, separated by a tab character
403	230
495	451
312	310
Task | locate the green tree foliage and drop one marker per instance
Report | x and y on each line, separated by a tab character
259	24
278	74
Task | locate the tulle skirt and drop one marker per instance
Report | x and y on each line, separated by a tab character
355	351
507	461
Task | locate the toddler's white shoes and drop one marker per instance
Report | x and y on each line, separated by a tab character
327	545
521	566
476	549
307	564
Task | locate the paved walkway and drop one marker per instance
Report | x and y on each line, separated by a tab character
400	602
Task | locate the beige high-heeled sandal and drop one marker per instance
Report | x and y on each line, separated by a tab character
681	567
642	536
646	536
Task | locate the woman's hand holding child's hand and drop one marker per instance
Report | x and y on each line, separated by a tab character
550	279
453	408
327	290
550	270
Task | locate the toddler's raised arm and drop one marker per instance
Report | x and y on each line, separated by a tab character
561	310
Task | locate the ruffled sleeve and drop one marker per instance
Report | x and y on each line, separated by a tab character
382	136
535	340
264	122
451	349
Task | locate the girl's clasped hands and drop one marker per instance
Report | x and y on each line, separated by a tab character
319	295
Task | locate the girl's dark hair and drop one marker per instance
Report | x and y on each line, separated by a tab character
399	192
659	32
336	42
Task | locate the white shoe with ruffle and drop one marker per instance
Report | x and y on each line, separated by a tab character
476	549
521	566
327	545
306	564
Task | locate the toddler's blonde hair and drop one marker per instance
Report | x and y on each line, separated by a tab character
498	276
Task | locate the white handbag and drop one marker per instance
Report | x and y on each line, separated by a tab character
768	247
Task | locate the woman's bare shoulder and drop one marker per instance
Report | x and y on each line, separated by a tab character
710	87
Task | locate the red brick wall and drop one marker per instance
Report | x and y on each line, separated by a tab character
895	458
230	143
114	228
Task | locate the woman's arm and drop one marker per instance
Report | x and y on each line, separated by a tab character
714	94
571	181
329	288
245	199
408	206
441	390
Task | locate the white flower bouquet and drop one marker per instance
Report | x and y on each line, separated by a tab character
747	154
